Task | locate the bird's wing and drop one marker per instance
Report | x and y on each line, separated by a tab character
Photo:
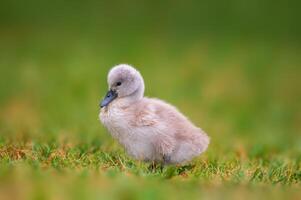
145	117
149	119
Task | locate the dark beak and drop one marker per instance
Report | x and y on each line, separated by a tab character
110	96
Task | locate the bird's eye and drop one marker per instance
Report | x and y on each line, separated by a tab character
118	83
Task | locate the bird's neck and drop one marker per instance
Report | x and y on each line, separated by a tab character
139	93
134	97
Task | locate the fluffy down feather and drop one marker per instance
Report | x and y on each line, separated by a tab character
149	129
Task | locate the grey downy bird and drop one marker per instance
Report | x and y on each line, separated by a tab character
149	129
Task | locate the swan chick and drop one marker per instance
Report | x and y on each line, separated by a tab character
149	129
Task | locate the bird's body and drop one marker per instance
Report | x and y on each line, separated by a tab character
151	129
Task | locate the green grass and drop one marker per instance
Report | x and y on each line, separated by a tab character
52	170
230	73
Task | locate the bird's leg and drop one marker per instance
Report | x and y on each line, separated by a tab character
152	166
166	159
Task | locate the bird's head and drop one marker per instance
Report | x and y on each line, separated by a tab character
124	81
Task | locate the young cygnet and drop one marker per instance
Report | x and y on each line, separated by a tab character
149	129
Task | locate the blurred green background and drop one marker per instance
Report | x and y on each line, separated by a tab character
232	67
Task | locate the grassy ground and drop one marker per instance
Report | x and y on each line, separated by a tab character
242	88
